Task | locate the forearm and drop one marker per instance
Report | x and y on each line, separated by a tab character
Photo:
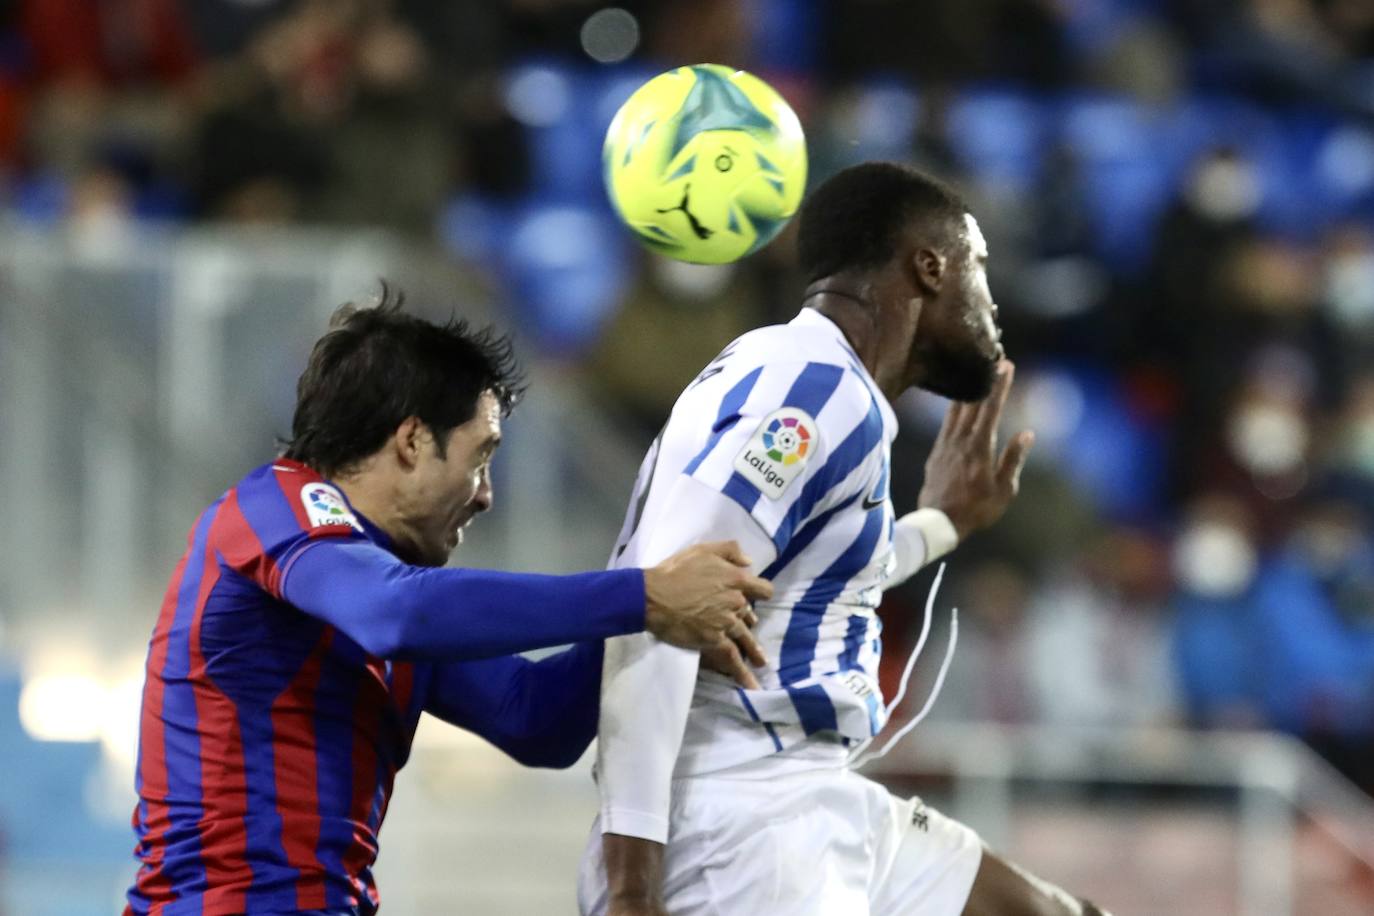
395	610
634	870
541	713
647	686
646	692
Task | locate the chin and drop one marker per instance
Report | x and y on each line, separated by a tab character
435	558
961	376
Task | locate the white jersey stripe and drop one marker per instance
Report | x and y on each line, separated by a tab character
830	521
727	416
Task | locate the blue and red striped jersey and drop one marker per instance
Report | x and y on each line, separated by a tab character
270	736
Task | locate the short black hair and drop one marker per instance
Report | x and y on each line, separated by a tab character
377	366
855	218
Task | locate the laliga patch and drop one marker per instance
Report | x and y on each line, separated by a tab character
325	505
778	451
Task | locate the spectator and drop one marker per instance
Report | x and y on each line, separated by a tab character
1097	638
1215	645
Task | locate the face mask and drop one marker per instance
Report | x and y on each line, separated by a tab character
1350	289
1214	560
1225	190
1267	441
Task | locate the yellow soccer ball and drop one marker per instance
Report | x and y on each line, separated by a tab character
705	163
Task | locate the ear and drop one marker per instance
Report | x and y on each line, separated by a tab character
928	270
408	441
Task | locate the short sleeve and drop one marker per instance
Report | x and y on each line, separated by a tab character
790	440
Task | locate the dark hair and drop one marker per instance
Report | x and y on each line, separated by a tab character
854	219
377	366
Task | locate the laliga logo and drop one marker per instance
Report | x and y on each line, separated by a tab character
787	440
324	505
324	501
770	475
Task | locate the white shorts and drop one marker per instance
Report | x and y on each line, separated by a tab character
822	842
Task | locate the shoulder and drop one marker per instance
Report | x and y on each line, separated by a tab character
284	500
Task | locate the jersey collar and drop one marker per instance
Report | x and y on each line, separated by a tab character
811	318
374	533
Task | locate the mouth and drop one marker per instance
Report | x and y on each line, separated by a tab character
456	535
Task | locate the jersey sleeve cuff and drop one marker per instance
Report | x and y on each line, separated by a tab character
634	603
639	824
920	538
936	530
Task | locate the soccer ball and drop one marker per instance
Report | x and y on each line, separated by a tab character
705	163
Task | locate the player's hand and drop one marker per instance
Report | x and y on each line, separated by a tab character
699	599
725	656
966	477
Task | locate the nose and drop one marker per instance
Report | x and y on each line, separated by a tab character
482	499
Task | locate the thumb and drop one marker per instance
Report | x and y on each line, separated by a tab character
1014	459
729	551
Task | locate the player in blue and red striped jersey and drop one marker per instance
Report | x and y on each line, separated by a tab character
309	624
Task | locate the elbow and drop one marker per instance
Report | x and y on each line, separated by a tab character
549	755
561	761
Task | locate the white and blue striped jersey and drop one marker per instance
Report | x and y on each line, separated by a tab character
783	443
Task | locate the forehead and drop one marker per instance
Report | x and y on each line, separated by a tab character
976	243
485	423
488	415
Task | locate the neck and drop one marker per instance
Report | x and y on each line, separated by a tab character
372	495
853	306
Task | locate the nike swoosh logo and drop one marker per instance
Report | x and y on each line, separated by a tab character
870	503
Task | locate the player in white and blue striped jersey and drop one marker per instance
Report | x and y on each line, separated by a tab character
721	799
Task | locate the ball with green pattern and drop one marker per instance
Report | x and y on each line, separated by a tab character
705	163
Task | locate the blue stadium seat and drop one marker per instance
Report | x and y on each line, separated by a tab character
552	100
1095	439
475	227
564	265
998	136
1343	170
783	35
883	120
40	199
1120	149
567	268
1286	205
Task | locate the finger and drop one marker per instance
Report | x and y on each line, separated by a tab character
749	618
749	646
1014	459
755	588
952	418
729	551
734	663
951	427
988	413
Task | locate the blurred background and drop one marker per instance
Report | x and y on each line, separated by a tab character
1164	690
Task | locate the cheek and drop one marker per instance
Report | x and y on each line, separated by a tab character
467	487
448	488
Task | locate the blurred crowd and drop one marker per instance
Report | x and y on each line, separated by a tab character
1178	195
